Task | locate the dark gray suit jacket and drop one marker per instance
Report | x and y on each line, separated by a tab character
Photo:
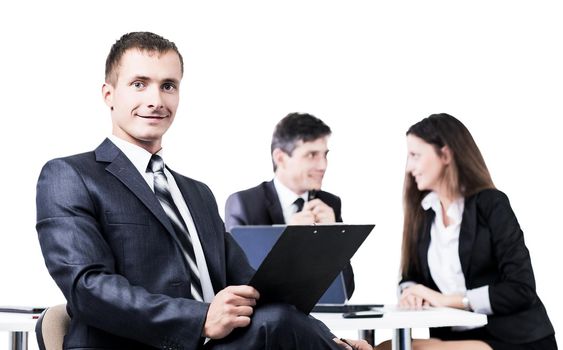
109	246
260	205
492	252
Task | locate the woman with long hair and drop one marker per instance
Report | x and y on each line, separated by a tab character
463	246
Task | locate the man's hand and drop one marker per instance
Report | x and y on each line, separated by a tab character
304	217
314	211
322	212
231	308
353	344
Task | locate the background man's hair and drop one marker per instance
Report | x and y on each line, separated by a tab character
297	127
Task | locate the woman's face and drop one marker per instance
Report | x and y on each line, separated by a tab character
425	165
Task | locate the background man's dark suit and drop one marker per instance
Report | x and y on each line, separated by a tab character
108	244
492	252
260	205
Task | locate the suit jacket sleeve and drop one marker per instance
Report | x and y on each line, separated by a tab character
515	290
82	264
235	214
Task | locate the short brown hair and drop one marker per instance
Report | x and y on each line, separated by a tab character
144	41
296	127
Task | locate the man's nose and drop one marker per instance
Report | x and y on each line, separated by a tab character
322	163
154	98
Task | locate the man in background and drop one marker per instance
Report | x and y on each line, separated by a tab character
299	152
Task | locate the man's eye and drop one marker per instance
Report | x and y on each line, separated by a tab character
138	84
169	87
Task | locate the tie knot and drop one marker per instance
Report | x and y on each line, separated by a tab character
156	164
299	202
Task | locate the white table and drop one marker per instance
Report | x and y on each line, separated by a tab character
403	320
19	325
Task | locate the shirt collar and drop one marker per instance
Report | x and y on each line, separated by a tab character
455	211
285	195
139	156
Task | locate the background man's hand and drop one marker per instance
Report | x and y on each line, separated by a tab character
322	212
314	211
304	217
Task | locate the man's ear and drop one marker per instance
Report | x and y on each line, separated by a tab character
107	95
446	155
278	156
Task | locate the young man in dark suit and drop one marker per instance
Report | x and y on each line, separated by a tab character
294	197
140	251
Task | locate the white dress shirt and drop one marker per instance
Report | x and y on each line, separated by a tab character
287	197
140	159
443	254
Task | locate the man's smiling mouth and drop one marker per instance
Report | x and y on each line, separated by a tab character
152	116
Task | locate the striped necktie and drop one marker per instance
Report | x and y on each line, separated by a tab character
183	237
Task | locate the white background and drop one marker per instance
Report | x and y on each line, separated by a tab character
368	69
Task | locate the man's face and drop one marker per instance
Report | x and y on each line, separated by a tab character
305	168
144	97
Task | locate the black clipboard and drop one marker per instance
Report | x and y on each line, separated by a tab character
304	262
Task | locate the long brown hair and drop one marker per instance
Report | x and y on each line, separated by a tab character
467	174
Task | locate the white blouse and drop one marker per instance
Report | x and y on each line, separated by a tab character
443	254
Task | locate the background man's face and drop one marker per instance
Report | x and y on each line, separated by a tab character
305	168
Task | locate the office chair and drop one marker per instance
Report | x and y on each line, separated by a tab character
51	327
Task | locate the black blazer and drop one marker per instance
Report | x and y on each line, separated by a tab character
492	252
260	205
109	246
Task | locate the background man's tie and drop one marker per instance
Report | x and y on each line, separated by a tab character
162	192
299	203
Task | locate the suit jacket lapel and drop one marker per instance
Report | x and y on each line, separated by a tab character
121	167
467	233
196	205
424	244
466	238
273	204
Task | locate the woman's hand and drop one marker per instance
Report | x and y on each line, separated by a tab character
418	296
